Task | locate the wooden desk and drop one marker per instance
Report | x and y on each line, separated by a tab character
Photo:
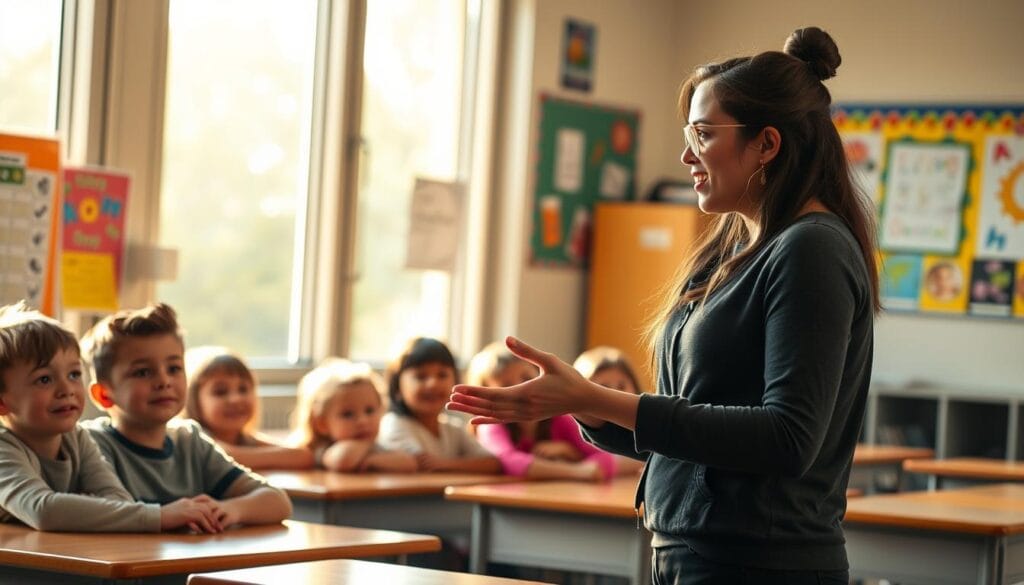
868	458
30	556
347	573
972	535
394	501
971	468
569	526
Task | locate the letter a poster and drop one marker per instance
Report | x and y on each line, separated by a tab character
92	262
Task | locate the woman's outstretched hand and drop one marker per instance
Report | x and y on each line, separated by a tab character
559	389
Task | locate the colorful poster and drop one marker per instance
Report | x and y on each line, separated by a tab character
29	196
992	287
865	152
578	47
901	282
1001	225
93	238
944	285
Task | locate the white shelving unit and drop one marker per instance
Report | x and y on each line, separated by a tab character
955	423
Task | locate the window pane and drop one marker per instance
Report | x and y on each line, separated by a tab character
29	64
235	168
412	100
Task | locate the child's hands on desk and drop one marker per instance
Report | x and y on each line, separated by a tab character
228	511
200	514
428	462
393	461
557	451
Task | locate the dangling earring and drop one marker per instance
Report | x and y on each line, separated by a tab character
764	176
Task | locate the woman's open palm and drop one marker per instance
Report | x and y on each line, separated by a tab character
557	390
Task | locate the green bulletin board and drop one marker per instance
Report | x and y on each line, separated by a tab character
586	153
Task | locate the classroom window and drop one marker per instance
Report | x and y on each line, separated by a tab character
30	42
413	83
252	173
235	174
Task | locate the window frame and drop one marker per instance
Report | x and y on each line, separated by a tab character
114	115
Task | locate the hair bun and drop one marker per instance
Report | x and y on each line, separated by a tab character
815	47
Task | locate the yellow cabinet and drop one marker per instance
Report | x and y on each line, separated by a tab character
637	249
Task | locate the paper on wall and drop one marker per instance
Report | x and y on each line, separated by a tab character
435	214
614	181
569	149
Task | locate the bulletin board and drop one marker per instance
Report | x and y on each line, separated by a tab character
29	199
948	183
586	153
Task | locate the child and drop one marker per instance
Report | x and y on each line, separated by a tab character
137	364
52	476
222	398
338	416
419	383
549	449
609	367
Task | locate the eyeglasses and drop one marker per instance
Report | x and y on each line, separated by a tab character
692	139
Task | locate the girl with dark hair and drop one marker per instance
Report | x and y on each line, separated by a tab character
763	348
420	380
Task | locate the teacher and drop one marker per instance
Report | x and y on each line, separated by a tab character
763	348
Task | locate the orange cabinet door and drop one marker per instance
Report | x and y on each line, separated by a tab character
637	249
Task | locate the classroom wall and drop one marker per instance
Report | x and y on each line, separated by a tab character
635	49
907	51
904	51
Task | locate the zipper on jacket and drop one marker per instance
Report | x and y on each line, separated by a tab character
638	497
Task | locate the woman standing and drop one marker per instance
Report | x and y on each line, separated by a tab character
763	349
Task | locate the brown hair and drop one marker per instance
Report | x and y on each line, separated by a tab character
418	352
783	90
603	357
101	344
29	336
489	361
201	363
318	387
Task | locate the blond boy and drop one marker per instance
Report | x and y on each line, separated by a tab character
138	373
52	476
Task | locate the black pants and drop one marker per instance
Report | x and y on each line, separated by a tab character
680	565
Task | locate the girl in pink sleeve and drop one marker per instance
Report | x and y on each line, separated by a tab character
548	449
610	368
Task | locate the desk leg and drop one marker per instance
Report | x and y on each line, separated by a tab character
479	540
642	563
992	567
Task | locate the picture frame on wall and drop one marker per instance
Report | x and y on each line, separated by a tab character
578	51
